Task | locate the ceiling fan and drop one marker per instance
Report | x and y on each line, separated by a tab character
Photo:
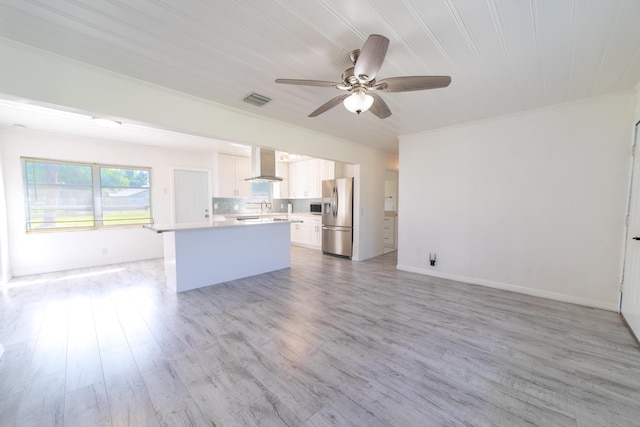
360	81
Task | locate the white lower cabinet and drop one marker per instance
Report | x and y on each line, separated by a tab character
307	233
299	233
315	232
389	232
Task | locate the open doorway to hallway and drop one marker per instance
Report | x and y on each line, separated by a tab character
390	211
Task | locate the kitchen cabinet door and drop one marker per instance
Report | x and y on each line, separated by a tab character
226	176
230	173
313	189
281	189
389	232
308	233
297	180
300	233
327	171
315	232
305	178
243	171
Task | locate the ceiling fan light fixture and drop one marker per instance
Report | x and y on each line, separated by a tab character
358	101
356	81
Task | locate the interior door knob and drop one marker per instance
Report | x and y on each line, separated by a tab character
636	238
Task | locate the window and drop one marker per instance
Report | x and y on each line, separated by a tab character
260	191
66	195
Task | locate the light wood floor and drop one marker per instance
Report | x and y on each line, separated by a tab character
327	342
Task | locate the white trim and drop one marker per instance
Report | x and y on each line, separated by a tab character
303	245
86	264
513	288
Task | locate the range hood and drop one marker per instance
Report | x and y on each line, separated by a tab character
263	165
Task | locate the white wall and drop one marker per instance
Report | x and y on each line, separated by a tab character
53	80
5	270
533	202
38	252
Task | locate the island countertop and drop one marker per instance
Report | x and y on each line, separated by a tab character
162	228
197	255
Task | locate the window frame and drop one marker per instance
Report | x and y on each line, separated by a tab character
96	196
255	198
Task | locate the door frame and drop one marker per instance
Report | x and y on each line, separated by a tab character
173	189
635	163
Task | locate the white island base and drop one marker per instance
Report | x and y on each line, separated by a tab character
203	256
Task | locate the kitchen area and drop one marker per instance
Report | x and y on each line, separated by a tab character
241	217
262	205
294	190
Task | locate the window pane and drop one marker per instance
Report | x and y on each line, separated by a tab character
125	196
58	195
260	191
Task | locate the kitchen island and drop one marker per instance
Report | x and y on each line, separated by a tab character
198	255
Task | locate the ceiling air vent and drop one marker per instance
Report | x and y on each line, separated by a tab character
257	99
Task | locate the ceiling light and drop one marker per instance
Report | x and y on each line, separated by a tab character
107	123
286	157
358	101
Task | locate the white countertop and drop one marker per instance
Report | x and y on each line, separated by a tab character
270	215
161	228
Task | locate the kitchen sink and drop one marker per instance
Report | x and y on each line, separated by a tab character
248	218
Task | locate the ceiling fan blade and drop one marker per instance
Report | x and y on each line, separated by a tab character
379	107
329	105
411	83
371	56
306	82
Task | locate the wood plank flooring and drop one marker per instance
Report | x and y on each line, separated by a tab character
326	342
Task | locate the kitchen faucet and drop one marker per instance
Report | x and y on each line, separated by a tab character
265	204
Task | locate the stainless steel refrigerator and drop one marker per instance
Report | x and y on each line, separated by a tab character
337	216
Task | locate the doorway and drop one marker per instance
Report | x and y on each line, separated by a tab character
191	195
630	298
390	211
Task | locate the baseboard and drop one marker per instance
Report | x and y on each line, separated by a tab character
633	334
88	264
304	245
512	288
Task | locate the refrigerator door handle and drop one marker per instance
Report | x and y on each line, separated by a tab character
340	229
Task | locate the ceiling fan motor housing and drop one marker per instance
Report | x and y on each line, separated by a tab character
349	78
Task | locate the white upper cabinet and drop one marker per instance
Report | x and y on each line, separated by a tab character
281	189
305	178
231	174
297	180
314	187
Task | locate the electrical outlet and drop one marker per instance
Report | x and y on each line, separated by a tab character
104	251
235	207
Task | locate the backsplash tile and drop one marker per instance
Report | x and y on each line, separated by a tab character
227	206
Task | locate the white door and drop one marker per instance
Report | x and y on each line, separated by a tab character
191	195
630	305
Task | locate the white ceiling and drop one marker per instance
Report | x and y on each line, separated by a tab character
26	115
504	56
